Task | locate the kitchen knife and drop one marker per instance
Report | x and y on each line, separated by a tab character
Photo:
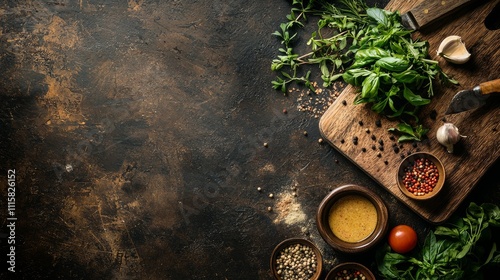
428	11
472	98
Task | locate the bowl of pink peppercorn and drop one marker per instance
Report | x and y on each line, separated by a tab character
421	176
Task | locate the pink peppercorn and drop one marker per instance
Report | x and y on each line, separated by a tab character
421	177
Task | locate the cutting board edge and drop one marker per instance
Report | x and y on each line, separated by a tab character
438	220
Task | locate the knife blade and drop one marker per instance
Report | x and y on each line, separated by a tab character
472	98
427	12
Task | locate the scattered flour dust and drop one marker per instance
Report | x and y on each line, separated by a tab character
289	210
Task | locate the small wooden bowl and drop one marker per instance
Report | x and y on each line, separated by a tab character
323	213
292	241
350	266
408	162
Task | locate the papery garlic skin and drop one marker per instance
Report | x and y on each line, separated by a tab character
453	49
448	135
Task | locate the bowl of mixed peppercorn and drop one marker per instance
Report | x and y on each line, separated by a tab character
350	271
296	258
421	176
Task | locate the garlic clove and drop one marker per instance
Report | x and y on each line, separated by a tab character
448	135
453	49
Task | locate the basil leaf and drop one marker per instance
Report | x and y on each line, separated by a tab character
414	99
392	64
370	86
378	15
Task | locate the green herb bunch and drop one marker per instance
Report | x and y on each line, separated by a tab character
367	48
457	251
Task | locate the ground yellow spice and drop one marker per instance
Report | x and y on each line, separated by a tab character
352	218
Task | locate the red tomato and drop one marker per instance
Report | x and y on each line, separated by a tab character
402	239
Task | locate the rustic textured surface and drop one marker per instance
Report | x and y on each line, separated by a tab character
136	129
473	155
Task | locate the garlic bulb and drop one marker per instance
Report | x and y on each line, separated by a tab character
453	50
448	135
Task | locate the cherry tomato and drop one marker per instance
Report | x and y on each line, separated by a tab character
402	239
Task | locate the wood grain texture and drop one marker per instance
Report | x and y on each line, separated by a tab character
426	12
473	155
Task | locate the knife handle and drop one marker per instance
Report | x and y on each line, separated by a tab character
490	86
430	10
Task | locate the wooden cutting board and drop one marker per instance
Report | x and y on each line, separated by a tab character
473	155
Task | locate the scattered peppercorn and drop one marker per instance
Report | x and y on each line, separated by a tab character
381	142
386	162
392	138
381	148
363	150
373	137
396	149
433	115
271	195
344	102
420	177
360	123
379	155
259	189
342	141
320	140
378	123
414	144
285	111
355	140
374	147
402	156
305	133
367	130
269	209
266	145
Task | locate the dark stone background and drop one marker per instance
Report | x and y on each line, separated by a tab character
136	130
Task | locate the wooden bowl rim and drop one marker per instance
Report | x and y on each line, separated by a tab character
439	185
348	247
290	241
351	265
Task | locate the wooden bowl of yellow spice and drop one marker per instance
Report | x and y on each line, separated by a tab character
352	219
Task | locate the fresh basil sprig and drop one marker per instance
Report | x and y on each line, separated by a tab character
459	250
368	48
